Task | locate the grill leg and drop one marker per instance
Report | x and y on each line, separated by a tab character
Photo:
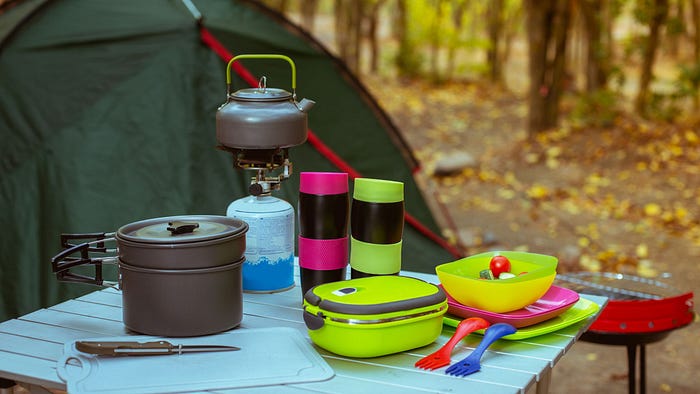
631	341
631	368
642	369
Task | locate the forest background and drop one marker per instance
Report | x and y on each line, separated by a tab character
565	127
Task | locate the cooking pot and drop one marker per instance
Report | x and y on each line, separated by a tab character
179	275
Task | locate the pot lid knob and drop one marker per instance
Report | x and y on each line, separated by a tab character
182	227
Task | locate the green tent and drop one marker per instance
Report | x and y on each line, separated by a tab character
107	115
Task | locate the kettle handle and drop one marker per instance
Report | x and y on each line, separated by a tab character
261	56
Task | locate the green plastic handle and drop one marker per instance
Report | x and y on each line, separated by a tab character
263	56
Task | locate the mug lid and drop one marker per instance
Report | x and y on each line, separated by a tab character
323	183
378	190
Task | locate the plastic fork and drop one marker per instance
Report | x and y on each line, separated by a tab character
472	363
442	356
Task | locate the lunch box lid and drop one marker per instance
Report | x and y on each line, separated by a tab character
374	296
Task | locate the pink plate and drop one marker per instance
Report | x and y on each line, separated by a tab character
554	302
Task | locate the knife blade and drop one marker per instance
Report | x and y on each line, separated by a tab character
119	348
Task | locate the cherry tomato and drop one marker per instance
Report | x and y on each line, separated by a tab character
499	264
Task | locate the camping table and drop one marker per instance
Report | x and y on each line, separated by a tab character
31	344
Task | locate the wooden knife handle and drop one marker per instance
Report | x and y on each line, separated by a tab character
118	348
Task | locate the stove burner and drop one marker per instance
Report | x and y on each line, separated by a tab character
265	161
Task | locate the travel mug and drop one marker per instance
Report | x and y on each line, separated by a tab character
324	206
376	227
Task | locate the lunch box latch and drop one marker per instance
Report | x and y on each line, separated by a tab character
313	322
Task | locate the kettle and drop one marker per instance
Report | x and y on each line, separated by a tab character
262	118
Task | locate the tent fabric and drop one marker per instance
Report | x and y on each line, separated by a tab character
107	115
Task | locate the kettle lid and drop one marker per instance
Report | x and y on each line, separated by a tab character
261	94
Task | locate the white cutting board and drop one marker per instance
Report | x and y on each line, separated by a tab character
268	356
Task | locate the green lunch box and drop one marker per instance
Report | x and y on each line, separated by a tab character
374	316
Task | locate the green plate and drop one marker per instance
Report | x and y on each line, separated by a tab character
579	311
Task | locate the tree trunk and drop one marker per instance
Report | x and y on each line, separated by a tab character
596	57
407	58
659	11
457	21
537	31
695	5
282	6
308	14
347	31
560	21
341	35
356	28
372	34
494	23
435	35
607	38
695	14
675	31
510	33
547	32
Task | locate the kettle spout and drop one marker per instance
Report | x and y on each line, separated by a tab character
305	105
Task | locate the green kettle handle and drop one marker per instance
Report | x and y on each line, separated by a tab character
261	56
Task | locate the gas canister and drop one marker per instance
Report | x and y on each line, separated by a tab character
269	254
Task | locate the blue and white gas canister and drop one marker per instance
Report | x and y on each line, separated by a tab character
269	254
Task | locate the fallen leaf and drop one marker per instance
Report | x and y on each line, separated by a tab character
642	251
652	209
537	192
646	270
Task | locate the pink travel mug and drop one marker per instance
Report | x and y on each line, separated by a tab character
324	206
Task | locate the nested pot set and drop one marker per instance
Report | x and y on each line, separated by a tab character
179	275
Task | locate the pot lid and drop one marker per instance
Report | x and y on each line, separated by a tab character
182	229
262	94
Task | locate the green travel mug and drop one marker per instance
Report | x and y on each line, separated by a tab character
376	227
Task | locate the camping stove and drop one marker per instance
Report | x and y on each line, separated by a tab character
258	126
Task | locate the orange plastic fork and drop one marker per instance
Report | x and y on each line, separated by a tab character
442	357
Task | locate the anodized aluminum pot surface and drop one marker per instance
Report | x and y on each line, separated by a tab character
182	303
219	240
260	124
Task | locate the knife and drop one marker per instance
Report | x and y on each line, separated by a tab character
145	348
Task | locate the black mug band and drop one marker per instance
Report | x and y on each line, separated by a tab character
377	223
323	216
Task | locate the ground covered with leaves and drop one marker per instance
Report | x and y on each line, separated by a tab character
620	198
